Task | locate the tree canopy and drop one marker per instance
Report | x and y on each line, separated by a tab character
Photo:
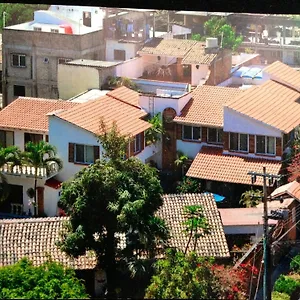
17	13
112	201
48	281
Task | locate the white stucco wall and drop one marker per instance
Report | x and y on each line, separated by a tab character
51	197
199	74
150	152
76	13
188	148
161	103
237	122
130	49
246	229
73	80
132	68
61	133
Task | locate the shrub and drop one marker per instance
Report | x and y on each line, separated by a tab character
280	296
295	264
189	185
286	284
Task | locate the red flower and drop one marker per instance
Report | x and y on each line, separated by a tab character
235	288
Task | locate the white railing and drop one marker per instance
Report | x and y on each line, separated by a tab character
28	171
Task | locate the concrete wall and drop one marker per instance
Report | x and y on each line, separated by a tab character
58	131
132	68
73	80
51	198
42	50
199	74
130	49
191	149
237	122
257	230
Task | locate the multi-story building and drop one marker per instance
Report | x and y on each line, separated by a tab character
32	51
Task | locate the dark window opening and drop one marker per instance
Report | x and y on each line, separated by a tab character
18	60
119	55
84	154
6	138
32	137
87	19
19	90
191	133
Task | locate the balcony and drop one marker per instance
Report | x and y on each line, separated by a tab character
27	171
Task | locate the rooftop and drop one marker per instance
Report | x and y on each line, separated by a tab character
89	95
197	55
271	103
213	244
93	63
36	239
211	164
206	106
125	95
291	189
31	113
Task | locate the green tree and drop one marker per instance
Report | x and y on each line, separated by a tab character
155	132
196	224
180	276
189	185
48	281
111	199
251	198
217	27
17	13
41	155
11	156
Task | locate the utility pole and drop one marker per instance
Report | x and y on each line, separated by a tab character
266	244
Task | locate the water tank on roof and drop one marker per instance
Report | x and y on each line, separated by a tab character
211	43
68	29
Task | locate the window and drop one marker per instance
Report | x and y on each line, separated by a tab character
18	60
137	145
265	144
87	18
37	28
32	137
64	60
84	154
54	30
19	91
119	54
6	138
238	142
187	70
214	135
191	133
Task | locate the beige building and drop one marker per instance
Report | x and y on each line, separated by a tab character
32	52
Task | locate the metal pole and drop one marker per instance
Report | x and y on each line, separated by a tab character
266	283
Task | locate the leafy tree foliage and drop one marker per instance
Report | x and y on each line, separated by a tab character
48	281
217	27
251	198
110	198
286	284
154	134
40	155
189	185
16	13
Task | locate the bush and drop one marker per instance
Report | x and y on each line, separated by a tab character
280	296
48	281
295	264
189	185
286	285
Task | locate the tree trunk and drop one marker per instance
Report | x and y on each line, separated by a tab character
187	245
110	264
34	197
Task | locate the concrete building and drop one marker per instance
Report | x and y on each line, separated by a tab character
32	52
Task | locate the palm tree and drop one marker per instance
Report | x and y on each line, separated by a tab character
40	155
251	198
12	156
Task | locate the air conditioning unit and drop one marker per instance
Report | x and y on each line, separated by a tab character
46	60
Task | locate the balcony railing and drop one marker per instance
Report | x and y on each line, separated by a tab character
28	171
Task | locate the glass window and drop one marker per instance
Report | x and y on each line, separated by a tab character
243	142
215	135
89	154
32	137
15	60
137	143
271	145
9	138
79	153
265	144
234	141
196	133
220	135
260	144
2	138
187	132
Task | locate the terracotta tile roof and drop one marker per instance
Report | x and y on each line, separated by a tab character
211	164
31	113
53	183
281	71
197	55
292	189
213	244
87	116
277	204
243	216
36	239
126	95
172	47
206	105
271	103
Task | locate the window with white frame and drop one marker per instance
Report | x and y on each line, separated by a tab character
54	30
238	142
18	60
137	143
215	135
191	133
84	154
265	144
